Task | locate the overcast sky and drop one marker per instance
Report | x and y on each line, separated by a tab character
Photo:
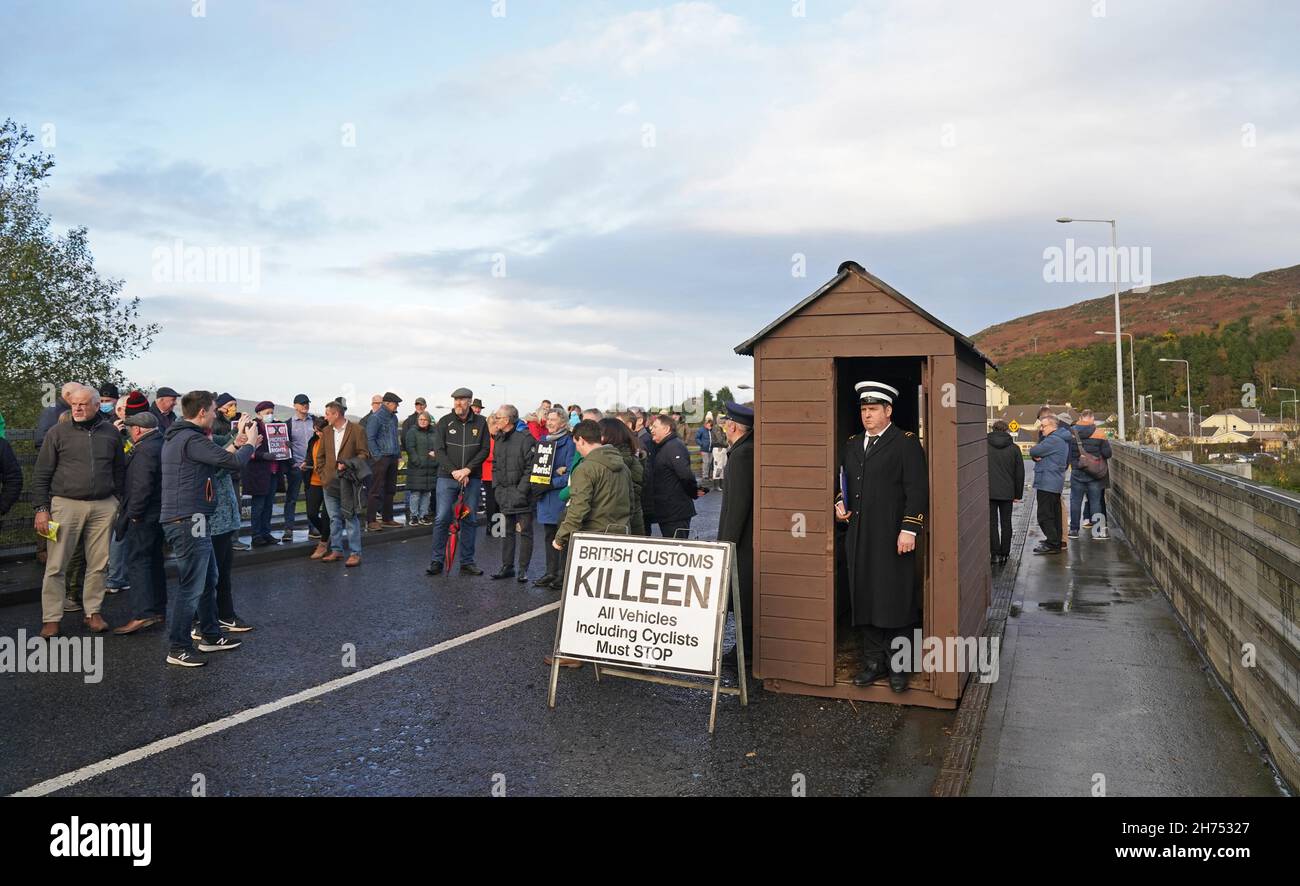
571	193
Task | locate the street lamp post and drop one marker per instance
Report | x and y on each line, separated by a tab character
1132	376
1200	418
1281	413
1189	389
1119	342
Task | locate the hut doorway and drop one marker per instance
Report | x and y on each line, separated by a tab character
911	409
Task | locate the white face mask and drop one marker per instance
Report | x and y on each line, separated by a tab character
265	417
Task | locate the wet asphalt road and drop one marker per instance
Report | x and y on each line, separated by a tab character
457	722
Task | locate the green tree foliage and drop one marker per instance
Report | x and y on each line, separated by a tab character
1264	353
59	319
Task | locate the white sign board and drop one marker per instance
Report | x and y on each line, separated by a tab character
655	603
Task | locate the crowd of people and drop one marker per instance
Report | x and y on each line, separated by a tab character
1079	447
119	482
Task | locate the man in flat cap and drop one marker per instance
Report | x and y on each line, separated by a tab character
735	524
137	523
164	399
461	445
382	438
883	496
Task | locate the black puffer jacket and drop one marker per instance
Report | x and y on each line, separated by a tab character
1006	468
142	498
512	463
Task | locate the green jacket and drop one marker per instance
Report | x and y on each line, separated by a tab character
601	495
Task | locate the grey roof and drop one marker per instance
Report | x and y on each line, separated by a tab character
747	348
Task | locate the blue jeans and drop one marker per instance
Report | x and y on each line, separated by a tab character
292	484
1083	487
195	588
417	503
448	491
345	542
148	578
119	554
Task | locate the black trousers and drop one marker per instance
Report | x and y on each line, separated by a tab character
1049	517
518	526
223	548
878	644
554	558
383	486
1000	518
669	528
316	514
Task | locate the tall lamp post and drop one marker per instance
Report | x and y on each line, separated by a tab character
1189	390
1132	376
1119	342
1199	418
1282	406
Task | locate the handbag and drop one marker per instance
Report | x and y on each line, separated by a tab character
1092	465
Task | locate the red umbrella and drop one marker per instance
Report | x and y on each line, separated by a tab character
460	512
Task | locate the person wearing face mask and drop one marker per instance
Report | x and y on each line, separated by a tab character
258	478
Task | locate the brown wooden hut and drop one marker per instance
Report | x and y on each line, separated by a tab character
805	365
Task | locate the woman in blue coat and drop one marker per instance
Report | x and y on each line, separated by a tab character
557	447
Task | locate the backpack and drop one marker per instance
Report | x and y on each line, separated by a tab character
1092	465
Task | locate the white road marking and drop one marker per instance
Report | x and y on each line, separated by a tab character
182	738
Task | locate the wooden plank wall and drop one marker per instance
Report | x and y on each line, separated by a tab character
794	578
975	580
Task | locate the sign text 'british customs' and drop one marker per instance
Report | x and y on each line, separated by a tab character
645	602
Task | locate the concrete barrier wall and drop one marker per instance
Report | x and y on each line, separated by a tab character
1226	553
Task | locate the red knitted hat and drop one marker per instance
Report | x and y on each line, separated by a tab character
136	402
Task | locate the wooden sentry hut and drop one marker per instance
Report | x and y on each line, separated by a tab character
806	363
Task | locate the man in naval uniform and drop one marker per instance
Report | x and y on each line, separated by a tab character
883	496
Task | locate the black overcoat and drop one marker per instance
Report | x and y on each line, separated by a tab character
735	523
888	491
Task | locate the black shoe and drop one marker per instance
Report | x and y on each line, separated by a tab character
470	569
898	681
184	658
503	572
870	673
544	581
221	644
522	577
435	568
260	541
1046	549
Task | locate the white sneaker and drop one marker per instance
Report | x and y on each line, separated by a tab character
1086	523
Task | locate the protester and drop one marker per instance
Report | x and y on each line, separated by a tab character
376	403
513	455
1006	484
614	432
600	494
477	406
559	449
316	514
462	447
384	443
736	519
421	471
190	462
224	528
258	480
537	424
672	482
487	503
704	440
421	408
138	527
49	416
340	456
78	476
1051	456
11	477
224	425
301	426
118	579
592	415
575	415
1084	487
164	399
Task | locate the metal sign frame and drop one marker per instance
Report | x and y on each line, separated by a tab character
650	672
